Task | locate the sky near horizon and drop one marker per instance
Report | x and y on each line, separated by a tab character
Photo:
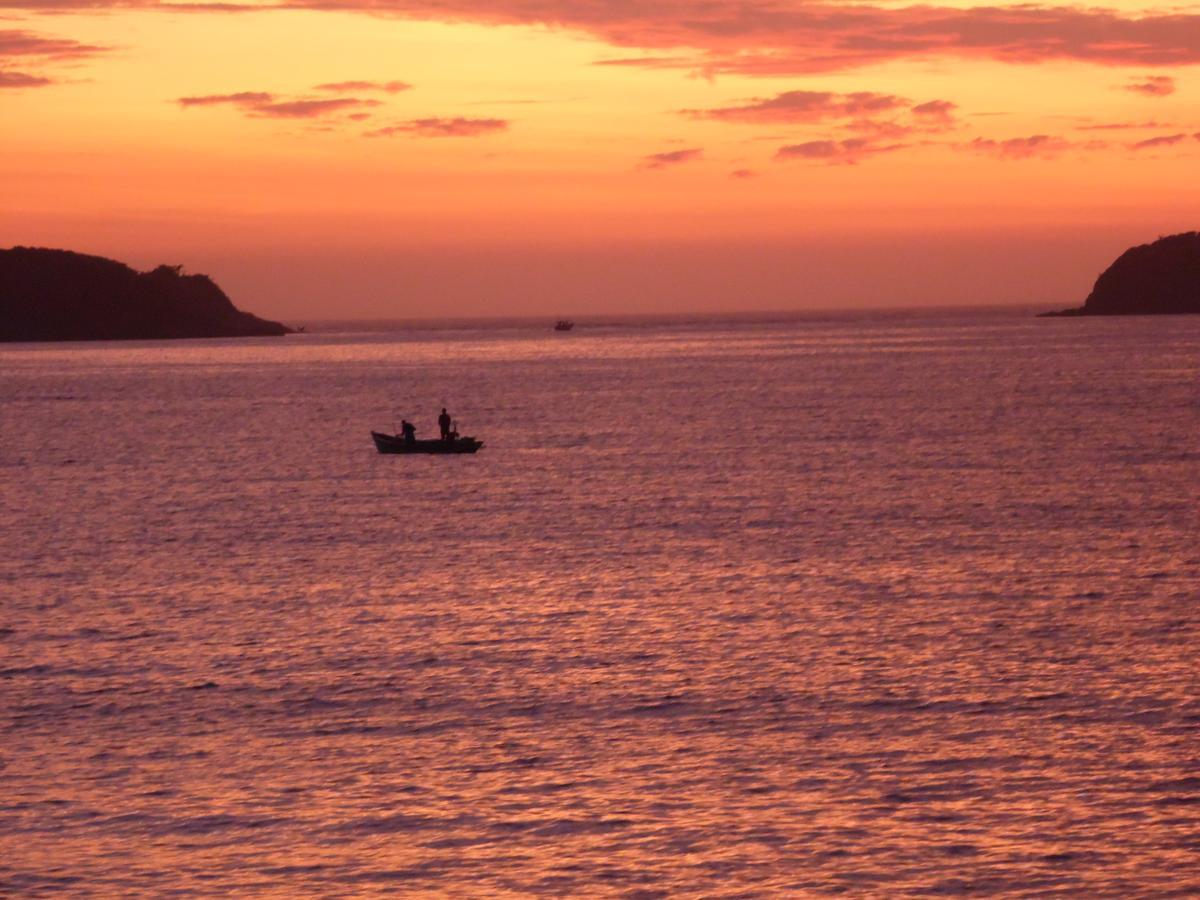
342	158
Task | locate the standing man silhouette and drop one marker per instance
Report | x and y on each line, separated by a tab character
444	424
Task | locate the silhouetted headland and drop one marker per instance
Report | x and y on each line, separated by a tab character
1162	278
58	295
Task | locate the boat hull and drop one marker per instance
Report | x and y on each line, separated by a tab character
391	443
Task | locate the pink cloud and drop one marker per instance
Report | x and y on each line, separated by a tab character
22	80
803	106
743	174
776	37
307	109
877	115
880	129
342	87
671	158
261	104
1037	145
1153	86
849	151
435	127
1166	140
767	37
27	44
34	49
936	114
242	98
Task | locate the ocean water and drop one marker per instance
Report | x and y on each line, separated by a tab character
884	606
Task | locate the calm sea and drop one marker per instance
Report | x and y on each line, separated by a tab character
890	605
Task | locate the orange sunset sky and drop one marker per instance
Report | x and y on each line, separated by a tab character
343	158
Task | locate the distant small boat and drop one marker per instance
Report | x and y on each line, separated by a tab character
564	325
394	443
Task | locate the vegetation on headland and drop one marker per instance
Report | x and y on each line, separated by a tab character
1162	278
59	295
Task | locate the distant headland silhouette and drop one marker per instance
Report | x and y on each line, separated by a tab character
59	295
1162	278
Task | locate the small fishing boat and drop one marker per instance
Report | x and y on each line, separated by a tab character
394	443
564	325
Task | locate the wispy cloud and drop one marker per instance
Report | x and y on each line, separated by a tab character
309	109
865	113
647	62
769	37
1153	86
343	87
1032	147
37	51
266	105
671	158
1166	140
1121	126
849	151
774	37
880	129
27	44
242	98
10	79
459	126
803	106
936	114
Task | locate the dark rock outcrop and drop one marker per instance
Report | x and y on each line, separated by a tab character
1162	278
57	295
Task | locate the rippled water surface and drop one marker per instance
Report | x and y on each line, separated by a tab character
882	606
